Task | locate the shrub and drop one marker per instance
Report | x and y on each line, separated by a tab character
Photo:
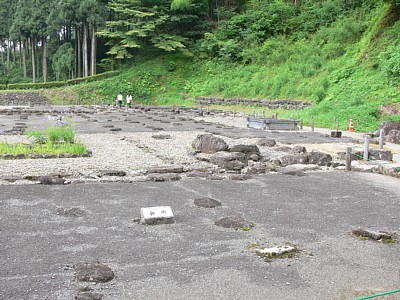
56	129
390	61
39	85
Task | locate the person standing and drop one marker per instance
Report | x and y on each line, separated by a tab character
129	100
119	99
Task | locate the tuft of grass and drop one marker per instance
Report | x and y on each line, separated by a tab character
57	138
77	149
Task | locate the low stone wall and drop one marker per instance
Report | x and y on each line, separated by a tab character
273	104
23	99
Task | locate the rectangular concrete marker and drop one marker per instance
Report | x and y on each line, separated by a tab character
156	215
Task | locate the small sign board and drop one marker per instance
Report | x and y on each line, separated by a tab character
156	215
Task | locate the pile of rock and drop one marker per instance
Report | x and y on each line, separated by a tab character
247	159
272	104
23	99
391	131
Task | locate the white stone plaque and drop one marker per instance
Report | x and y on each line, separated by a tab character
156	215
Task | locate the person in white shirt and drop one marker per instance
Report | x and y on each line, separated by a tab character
129	100
119	99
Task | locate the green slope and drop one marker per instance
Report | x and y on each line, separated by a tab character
350	68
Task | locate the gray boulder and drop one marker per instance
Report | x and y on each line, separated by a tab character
208	143
319	158
283	149
292	159
251	152
264	142
224	156
233	165
246	149
259	168
389	126
298	150
393	136
378	154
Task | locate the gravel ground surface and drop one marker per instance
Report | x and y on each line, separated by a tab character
134	152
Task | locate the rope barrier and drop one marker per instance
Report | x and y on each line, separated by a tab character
377	162
379	295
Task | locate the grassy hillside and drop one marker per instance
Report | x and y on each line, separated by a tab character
348	68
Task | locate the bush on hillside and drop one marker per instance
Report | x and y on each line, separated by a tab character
391	62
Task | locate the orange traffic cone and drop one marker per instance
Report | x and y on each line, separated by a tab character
351	126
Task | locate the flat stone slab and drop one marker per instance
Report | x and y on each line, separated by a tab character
156	215
374	234
161	136
240	177
93	272
235	222
275	251
50	180
163	177
166	169
298	169
89	296
206	202
70	212
112	173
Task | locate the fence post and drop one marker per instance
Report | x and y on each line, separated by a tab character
366	146
301	123
312	123
263	114
381	136
348	159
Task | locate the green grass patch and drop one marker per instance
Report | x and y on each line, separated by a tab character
77	149
57	137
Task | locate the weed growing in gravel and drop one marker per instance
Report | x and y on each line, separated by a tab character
57	136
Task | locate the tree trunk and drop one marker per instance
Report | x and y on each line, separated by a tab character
28	44
14	54
93	52
2	54
78	34
8	54
44	59
85	50
24	57
37	53
33	60
75	51
20	54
